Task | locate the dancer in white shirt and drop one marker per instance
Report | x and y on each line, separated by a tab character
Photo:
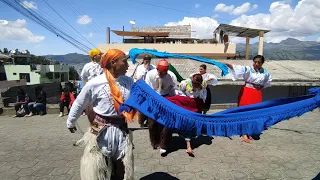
108	148
141	73
92	69
164	83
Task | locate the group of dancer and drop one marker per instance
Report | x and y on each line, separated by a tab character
108	143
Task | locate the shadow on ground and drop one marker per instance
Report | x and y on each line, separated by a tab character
159	176
178	142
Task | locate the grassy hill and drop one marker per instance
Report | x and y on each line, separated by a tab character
289	49
71	58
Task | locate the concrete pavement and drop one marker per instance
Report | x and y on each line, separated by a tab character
41	148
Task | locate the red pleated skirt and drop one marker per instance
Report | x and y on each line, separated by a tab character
249	96
191	104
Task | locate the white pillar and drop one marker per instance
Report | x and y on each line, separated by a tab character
247	47
260	49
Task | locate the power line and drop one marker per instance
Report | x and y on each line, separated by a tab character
77	10
173	9
67	22
16	5
183	11
56	23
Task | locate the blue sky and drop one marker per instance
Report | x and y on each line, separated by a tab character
284	18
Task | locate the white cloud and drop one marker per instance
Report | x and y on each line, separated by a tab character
203	27
241	9
285	21
197	5
223	8
85	19
90	35
318	40
215	16
255	6
16	30
245	7
29	4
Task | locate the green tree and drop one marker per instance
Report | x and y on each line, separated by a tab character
73	74
39	60
5	51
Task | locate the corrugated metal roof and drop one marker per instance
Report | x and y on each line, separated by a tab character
240	31
287	72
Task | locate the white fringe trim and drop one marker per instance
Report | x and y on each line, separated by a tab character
128	159
93	164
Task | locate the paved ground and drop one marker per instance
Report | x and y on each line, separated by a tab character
41	148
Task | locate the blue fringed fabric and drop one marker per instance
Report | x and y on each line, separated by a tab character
135	52
252	119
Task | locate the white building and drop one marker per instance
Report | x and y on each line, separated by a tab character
35	74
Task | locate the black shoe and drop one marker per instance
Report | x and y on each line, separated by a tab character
155	147
42	113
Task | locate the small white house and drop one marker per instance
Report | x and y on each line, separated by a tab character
35	74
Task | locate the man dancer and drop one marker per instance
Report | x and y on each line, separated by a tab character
108	146
92	69
141	73
163	82
89	71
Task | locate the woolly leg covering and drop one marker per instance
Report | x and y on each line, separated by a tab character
93	162
128	159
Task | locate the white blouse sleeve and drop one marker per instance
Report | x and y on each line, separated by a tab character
81	103
140	72
84	74
267	80
173	85
213	81
203	95
148	79
239	72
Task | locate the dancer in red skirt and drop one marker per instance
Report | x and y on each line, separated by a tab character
256	78
191	96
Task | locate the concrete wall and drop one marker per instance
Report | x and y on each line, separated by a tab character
183	31
229	93
54	68
52	90
13	73
174	48
9	84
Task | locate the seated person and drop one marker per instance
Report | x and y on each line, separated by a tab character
66	100
21	105
39	106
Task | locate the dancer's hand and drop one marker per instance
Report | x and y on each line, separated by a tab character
72	130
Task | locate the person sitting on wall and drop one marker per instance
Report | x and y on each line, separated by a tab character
66	100
21	105
39	106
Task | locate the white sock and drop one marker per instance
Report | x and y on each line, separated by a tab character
162	151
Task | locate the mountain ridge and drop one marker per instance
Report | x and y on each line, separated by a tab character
289	49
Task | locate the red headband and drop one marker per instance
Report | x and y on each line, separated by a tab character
163	65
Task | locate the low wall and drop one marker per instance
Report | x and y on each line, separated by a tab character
52	90
229	93
8	84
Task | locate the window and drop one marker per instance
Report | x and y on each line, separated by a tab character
25	76
14	73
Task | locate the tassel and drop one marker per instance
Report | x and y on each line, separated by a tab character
249	120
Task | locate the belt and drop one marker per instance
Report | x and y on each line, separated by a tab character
251	85
100	122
